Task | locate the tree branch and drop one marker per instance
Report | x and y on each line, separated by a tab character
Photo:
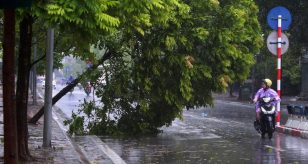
32	64
66	89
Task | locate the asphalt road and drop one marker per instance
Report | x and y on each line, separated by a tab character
223	134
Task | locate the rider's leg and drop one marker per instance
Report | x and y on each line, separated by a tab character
274	121
258	116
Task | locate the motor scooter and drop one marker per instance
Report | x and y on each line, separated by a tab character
267	121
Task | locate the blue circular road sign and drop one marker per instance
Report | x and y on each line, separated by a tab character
272	18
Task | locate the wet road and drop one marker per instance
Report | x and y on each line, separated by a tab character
71	101
223	134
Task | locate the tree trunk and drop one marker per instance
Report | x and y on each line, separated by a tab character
231	90
66	89
9	110
24	60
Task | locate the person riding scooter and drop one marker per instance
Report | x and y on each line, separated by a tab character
265	92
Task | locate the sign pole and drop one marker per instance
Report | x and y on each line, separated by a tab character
279	32
284	15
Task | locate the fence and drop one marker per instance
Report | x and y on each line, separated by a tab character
298	117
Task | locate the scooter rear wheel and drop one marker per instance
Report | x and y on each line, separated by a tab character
270	135
270	128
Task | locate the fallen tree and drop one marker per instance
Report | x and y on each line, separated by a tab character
66	89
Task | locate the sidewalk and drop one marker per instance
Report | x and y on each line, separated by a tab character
62	150
285	100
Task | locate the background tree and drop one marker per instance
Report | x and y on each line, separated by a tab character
24	59
266	64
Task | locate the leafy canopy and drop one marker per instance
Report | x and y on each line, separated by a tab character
183	51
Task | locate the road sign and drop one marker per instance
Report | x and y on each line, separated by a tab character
272	43
273	16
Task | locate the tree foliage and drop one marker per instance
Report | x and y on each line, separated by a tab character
184	51
80	22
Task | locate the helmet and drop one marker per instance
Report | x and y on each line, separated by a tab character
267	82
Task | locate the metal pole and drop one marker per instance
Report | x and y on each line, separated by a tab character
253	77
48	90
279	33
34	72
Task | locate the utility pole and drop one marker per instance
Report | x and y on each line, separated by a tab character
48	90
253	78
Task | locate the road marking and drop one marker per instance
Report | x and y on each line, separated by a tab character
235	103
277	149
104	147
55	117
83	157
109	152
179	127
207	118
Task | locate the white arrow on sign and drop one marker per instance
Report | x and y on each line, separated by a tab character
272	43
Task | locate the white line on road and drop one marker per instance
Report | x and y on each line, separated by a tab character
277	149
109	152
235	103
55	117
104	147
208	118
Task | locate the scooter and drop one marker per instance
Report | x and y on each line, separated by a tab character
267	123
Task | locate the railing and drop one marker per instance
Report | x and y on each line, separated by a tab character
298	117
298	111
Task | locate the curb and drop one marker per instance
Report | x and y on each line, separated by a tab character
292	131
56	116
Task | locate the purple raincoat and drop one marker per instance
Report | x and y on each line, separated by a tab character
263	92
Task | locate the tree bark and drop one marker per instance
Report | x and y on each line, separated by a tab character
66	89
231	90
24	61
9	110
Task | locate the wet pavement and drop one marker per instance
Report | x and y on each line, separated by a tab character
62	150
71	101
210	136
223	134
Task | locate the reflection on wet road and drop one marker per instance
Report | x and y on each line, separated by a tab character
223	134
71	101
215	137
